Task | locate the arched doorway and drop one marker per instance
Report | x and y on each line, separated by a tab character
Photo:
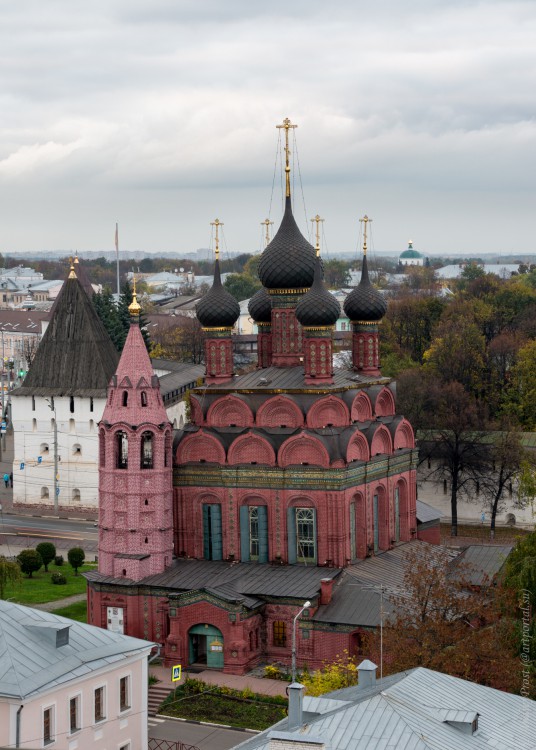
205	646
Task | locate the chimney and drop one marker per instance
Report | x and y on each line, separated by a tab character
366	675
295	705
326	590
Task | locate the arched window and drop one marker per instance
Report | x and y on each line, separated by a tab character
44	493
33	403
71	404
91	403
143	398
34	425
167	450
102	448
76	494
146	450
77	449
72	426
44	448
301	535
125	398
121	450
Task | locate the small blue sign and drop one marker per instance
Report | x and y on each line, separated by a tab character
22	466
57	490
3	425
39	459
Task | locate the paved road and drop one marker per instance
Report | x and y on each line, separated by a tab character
50	527
202	736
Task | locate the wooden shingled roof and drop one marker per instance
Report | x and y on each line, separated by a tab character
76	356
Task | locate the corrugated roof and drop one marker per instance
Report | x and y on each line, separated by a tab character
425	513
252	579
480	563
405	713
30	660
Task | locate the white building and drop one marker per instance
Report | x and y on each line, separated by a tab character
411	257
68	685
56	410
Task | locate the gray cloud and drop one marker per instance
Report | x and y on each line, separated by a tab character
422	111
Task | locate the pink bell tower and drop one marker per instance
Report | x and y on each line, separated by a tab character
135	477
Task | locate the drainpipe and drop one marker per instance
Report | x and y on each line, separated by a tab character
17	730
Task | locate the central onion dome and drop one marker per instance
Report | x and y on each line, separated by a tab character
365	304
218	308
289	260
260	306
318	308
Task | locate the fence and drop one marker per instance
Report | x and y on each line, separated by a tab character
156	744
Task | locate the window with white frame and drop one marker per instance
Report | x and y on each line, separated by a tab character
124	693
48	726
74	714
100	707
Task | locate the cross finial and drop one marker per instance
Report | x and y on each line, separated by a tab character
287	125
134	308
365	221
318	221
217	223
267	223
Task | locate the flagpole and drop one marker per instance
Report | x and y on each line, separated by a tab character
117	256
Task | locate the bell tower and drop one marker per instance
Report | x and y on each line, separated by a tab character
135	458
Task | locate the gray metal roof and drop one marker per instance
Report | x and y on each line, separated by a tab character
425	513
251	579
407	713
30	660
479	563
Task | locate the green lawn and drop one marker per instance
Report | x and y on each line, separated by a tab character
39	589
76	611
199	701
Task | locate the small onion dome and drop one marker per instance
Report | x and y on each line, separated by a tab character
260	306
364	303
288	261
218	308
318	307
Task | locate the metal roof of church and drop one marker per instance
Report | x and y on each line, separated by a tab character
76	356
251	579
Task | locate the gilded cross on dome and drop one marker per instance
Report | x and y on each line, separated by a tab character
267	223
287	125
365	221
318	221
216	223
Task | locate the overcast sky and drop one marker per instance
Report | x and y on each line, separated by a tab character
161	114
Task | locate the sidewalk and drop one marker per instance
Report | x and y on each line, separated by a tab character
238	682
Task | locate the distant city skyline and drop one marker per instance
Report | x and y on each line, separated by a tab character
161	116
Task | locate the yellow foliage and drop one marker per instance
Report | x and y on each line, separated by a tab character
339	674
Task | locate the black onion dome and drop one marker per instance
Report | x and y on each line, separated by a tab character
318	307
218	308
289	260
365	303
260	306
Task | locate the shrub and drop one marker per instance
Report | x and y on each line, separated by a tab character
30	561
76	557
58	578
47	551
58	560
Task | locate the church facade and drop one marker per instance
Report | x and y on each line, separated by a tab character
212	538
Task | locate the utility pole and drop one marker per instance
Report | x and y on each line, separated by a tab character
293	668
52	406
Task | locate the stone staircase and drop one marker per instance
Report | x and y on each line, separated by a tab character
157	694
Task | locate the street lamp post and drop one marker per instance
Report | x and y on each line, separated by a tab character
52	406
293	668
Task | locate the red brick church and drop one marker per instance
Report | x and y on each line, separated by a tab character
212	538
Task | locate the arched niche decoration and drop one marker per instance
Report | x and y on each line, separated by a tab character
303	449
358	448
279	411
381	442
361	408
200	448
196	412
385	403
229	411
328	411
360	505
251	449
404	436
